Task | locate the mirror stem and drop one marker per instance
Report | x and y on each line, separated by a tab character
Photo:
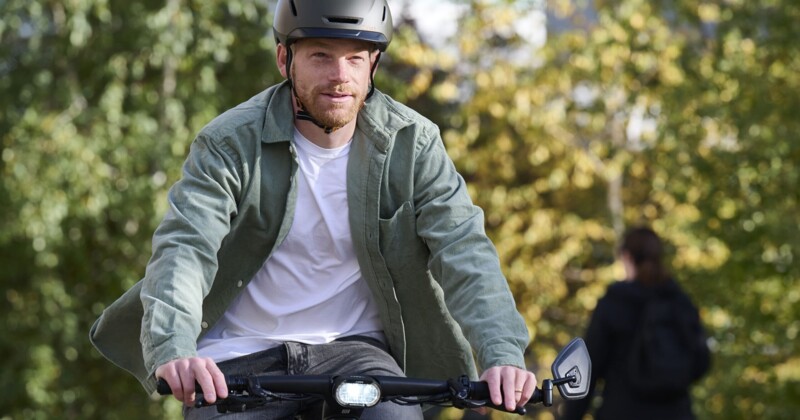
564	380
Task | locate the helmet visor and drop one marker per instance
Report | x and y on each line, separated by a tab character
376	38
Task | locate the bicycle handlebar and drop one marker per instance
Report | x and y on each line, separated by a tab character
461	392
571	372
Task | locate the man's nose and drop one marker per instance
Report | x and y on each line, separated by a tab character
338	70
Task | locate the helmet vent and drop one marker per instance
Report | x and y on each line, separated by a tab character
294	8
346	20
384	14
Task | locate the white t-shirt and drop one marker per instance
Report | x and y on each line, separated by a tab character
310	290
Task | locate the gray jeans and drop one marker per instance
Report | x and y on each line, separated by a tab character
352	355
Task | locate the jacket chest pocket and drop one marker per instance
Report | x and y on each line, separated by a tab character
399	241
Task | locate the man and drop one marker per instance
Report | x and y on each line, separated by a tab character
320	228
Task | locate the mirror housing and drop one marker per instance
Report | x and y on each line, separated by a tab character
572	370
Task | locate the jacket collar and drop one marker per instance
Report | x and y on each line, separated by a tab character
381	119
279	118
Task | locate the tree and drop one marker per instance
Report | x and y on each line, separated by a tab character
673	114
100	102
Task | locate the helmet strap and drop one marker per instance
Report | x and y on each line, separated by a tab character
371	75
301	113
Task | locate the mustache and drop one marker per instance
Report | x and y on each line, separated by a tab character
334	89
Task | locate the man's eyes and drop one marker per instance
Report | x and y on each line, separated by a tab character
322	55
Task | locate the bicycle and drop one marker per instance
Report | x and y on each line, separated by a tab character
345	397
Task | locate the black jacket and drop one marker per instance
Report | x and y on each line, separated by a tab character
609	337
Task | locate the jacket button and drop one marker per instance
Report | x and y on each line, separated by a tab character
204	324
239	283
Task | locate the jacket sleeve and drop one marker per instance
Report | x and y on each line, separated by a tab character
463	259
184	261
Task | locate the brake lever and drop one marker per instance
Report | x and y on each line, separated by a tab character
460	390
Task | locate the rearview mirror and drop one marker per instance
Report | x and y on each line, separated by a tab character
572	370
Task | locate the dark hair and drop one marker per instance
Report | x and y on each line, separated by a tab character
646	250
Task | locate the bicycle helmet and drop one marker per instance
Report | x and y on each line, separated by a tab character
365	20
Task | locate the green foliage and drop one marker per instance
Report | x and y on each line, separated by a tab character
100	101
673	114
676	114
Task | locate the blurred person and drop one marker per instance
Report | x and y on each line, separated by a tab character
319	228
645	340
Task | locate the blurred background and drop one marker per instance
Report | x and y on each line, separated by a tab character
570	120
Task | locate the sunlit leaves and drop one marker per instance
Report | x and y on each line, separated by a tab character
672	114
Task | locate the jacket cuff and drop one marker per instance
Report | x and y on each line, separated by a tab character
501	354
176	348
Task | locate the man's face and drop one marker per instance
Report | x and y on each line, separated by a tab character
331	78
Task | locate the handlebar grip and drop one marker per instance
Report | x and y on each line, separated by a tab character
162	387
480	391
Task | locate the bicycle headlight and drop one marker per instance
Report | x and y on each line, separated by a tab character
357	391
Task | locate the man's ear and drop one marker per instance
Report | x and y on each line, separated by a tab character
281	57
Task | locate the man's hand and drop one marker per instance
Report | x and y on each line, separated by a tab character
181	375
509	385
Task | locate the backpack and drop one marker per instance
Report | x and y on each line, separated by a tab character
666	347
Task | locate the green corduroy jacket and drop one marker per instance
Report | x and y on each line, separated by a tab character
419	240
